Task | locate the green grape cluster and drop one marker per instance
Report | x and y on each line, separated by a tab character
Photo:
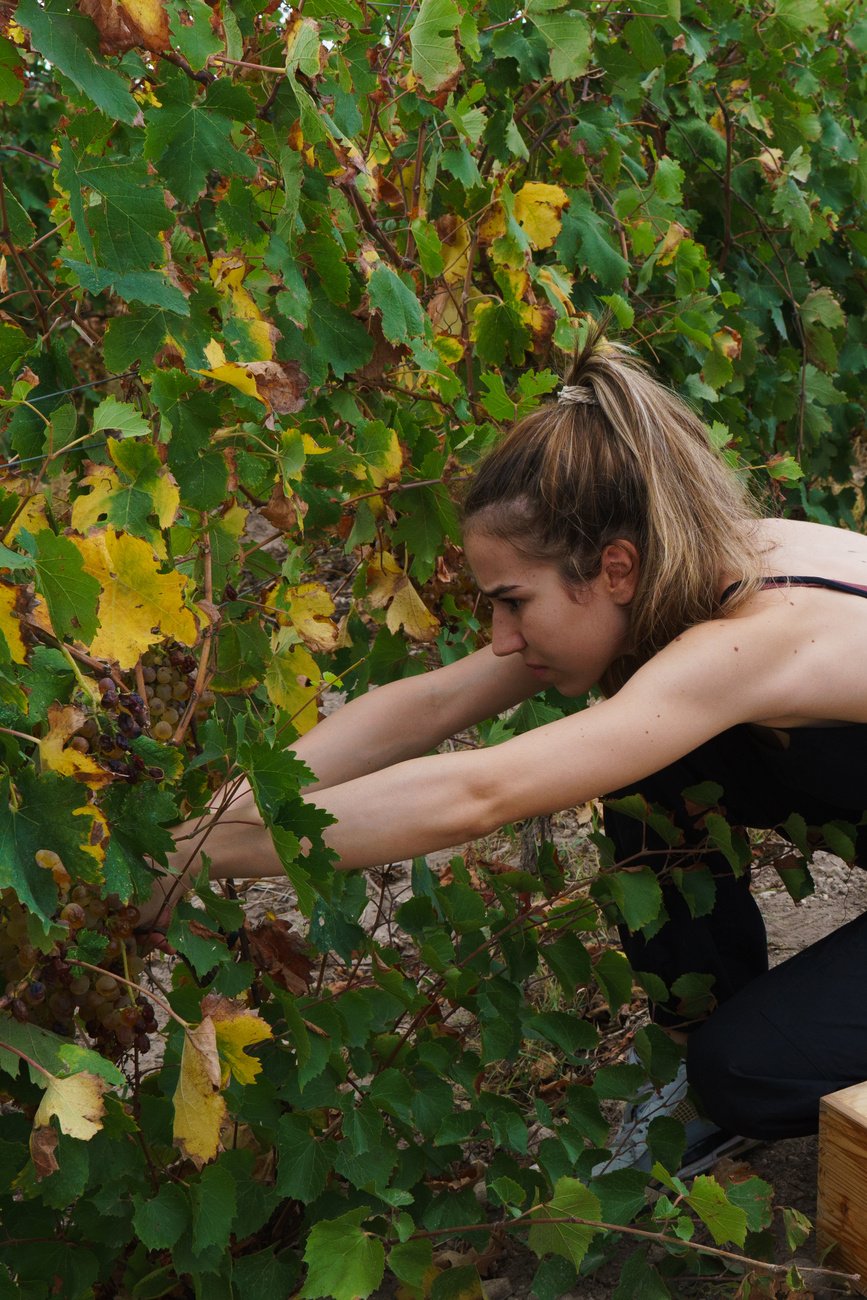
45	989
169	682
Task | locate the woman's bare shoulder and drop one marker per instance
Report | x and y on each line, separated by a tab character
797	547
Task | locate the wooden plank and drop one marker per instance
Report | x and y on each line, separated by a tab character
841	1218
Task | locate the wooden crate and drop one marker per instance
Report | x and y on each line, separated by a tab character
841	1218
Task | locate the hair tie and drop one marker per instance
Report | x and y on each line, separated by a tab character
576	395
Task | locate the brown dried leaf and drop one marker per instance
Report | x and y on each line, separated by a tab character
281	511
43	1144
280	952
125	24
281	385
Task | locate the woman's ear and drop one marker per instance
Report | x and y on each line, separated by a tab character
620	569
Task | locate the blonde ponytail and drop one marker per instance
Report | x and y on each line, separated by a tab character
618	455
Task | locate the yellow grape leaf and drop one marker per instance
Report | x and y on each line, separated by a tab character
729	342
455	239
518	282
383	575
449	350
670	243
493	224
200	1107
559	287
539	317
33	516
63	722
227	275
309	609
123	24
771	163
151	20
408	610
97	835
9	625
389	588
105	491
379	463
539	211
91	506
293	681
236	1027
77	1101
138	605
279	385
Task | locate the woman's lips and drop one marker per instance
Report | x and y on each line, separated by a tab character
538	669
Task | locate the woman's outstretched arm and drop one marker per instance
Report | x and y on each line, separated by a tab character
384	727
411	717
709	679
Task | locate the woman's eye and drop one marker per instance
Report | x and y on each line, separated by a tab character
512	605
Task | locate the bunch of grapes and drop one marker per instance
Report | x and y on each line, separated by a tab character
123	721
169	682
45	989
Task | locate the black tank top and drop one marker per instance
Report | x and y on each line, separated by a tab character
829	760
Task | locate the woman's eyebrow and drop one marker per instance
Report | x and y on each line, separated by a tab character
499	591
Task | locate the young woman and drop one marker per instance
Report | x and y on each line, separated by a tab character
617	550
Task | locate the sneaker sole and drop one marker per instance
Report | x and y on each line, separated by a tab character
703	1160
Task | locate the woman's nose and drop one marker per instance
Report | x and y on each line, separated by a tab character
506	639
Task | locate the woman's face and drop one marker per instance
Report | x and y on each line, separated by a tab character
567	636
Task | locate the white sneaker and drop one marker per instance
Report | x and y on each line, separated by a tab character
705	1142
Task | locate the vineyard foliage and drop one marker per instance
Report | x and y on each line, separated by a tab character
271	281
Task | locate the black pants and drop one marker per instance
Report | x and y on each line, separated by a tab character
777	1040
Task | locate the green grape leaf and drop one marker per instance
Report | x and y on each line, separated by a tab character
435	56
120	417
151	288
755	1197
71	594
567	36
637	894
570	1240
187	139
410	1261
214	1205
303	1161
402	316
343	1261
69	40
160	1221
123	230
724	1221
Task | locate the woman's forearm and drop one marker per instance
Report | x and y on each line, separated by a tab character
410	809
408	718
381	727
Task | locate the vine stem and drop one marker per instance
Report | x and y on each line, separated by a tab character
121	979
207	642
525	1219
22	735
244	63
29	1060
401	487
6	235
727	183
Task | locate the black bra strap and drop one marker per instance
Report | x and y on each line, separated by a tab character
781	580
